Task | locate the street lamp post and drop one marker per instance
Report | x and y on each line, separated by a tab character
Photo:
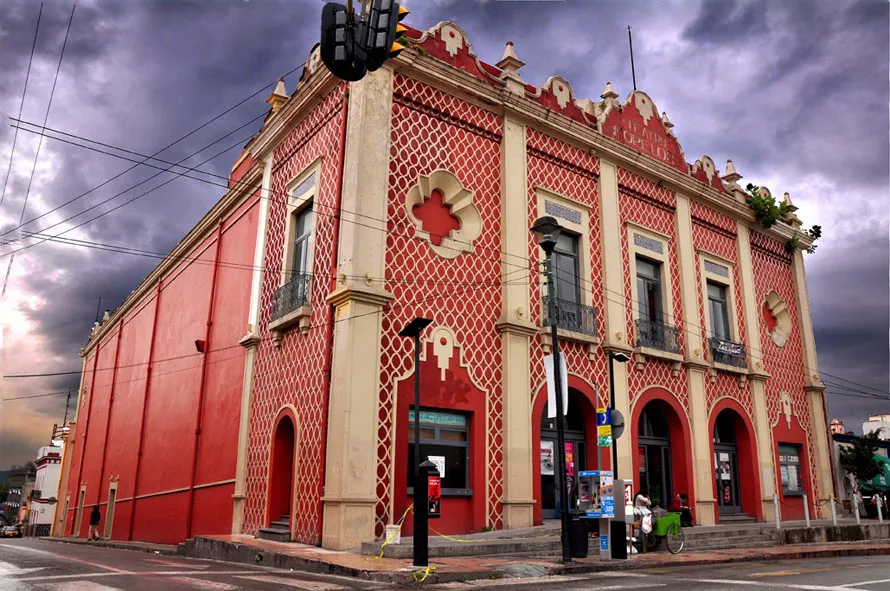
421	534
620	358
547	230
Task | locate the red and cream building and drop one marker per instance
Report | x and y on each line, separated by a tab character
257	372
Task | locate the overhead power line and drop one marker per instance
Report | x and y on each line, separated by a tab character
165	148
49	105
15	135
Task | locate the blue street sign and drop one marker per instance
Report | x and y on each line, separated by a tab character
603	416
604	543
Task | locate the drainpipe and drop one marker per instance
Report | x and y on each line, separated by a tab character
151	356
83	443
329	360
117	351
191	504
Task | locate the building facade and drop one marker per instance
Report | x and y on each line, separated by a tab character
879	423
46	487
287	394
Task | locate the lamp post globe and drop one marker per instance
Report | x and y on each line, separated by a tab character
547	231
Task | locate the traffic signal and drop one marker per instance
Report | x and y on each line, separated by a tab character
383	28
342	48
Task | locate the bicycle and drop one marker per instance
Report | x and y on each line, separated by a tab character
666	529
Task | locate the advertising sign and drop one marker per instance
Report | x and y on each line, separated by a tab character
439	461
604	441
628	493
604	543
547	461
551	385
607	494
434	491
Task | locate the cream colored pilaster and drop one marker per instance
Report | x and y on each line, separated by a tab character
515	329
752	303
814	386
350	474
702	460
614	337
251	340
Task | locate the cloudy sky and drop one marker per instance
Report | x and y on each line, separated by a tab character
795	92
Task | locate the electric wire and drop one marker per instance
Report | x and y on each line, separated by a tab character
21	105
49	105
165	148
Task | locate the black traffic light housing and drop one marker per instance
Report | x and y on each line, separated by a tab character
383	28
342	42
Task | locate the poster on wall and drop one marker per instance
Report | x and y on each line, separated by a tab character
724	469
439	461
547	458
570	459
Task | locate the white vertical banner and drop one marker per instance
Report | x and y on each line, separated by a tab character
551	385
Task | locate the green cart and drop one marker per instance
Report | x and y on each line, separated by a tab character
665	528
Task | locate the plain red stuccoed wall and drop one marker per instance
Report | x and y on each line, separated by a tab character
111	416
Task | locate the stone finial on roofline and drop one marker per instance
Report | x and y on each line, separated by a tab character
278	97
668	124
787	201
731	179
609	92
510	63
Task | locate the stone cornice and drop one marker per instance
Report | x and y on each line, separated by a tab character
523	329
306	98
230	201
501	101
359	293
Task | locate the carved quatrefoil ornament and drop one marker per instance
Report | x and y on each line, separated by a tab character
444	190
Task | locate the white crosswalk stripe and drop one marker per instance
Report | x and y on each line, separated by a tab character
76	586
194	583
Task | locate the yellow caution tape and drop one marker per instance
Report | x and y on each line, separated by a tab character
401	522
426	573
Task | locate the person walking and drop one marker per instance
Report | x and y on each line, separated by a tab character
95	517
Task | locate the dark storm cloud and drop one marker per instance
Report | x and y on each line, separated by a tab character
727	21
793	92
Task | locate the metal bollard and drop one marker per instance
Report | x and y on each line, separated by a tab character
806	510
833	511
776	511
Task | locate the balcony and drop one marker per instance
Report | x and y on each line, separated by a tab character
290	306
572	317
659	336
728	353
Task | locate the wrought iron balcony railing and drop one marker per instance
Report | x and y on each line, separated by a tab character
728	353
658	335
572	317
291	296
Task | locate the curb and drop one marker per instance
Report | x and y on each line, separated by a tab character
797	554
171	551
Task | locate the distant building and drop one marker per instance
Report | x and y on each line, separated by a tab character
21	482
46	486
879	423
836	427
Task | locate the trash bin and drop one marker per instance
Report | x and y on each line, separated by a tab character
580	537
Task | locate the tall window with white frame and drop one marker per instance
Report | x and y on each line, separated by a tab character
723	349
571	313
719	310
652	331
297	265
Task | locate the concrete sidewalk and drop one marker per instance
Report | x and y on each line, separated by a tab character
246	549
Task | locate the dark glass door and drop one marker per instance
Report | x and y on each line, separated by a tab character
655	471
727	471
576	461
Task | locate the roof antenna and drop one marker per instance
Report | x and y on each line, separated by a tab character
98	306
633	73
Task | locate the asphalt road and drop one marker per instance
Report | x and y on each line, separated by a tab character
52	566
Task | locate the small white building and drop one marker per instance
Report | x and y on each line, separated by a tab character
46	487
876	422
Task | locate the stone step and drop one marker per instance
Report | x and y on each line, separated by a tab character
737	518
730	542
285	518
543	546
274	534
728	535
285	525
